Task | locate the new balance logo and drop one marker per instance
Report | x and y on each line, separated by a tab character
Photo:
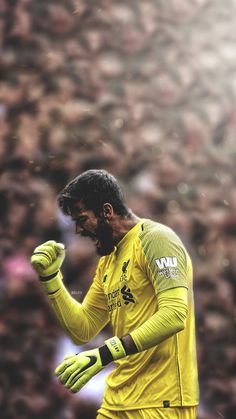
166	262
127	295
104	279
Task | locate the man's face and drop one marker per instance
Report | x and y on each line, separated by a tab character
97	228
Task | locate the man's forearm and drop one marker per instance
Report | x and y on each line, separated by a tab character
168	320
79	322
129	345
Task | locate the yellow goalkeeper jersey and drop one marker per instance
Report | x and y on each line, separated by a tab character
148	260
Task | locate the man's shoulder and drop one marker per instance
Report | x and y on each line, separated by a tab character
157	234
151	227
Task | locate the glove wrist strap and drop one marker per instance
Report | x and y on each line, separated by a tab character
52	285
115	347
46	278
105	355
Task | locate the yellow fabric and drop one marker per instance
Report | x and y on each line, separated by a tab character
81	322
156	413
115	347
147	262
168	320
143	288
52	285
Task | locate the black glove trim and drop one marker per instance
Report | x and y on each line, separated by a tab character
47	278
105	355
41	253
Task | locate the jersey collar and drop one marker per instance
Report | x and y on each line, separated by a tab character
129	235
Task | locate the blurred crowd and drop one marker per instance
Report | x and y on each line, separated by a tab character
144	89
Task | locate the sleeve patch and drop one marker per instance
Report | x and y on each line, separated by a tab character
166	262
167	266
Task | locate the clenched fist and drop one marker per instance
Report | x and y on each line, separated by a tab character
47	259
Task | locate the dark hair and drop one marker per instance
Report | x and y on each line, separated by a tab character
94	188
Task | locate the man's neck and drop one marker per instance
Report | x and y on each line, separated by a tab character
122	225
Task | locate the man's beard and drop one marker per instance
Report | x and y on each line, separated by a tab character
104	235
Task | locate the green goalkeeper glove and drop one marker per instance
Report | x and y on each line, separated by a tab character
46	261
48	258
76	370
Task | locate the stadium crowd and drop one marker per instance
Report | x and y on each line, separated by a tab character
145	90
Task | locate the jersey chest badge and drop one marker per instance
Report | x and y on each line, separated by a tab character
124	271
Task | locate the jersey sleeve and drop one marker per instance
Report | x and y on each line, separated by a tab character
82	322
95	296
163	258
168	320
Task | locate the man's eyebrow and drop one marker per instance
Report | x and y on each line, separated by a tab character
77	210
77	215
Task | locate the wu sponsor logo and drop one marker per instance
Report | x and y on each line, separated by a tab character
166	262
127	295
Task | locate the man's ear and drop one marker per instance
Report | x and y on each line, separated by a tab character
107	211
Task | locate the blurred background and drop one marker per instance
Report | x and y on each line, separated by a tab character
145	89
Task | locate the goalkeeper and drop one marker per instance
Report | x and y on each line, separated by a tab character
143	288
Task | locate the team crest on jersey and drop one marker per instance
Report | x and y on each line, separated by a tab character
167	266
124	271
